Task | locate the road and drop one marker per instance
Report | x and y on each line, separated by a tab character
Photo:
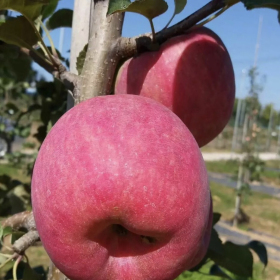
226	156
227	181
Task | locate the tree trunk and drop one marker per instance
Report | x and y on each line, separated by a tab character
101	59
9	146
240	179
237	211
80	36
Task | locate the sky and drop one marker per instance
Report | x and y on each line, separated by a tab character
238	29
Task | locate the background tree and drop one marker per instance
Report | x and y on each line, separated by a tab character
250	166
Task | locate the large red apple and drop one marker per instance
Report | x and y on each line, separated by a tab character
120	191
192	75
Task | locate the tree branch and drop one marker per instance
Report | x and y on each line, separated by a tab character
58	70
102	58
24	242
21	220
131	46
38	59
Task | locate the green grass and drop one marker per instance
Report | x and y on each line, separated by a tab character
230	167
226	167
264	210
270	273
273	163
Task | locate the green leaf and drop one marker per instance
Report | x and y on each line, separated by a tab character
81	59
215	245
216	271
2	127
50	49
2	19
7	231
5	179
12	106
200	265
49	127
216	218
147	8
252	4
25	132
117	6
30	274
237	259
49	9
18	31
179	6
1	231
29	8
20	66
61	18
271	4
259	248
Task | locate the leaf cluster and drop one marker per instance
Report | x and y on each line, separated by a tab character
231	260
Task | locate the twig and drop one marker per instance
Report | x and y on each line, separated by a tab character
130	46
8	260
21	220
26	241
69	79
57	69
15	267
49	38
47	65
212	17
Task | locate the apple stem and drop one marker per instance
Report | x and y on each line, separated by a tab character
212	17
16	266
170	20
153	30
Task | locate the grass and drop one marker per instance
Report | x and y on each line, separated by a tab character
273	163
210	149
264	210
270	273
230	167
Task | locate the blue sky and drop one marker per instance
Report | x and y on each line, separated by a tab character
237	27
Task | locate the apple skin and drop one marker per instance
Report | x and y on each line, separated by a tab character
192	75
120	191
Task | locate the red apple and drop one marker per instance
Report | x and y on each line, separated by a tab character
192	75
120	191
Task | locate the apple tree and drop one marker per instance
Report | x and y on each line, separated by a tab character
98	50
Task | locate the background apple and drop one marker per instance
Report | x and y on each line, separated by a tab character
120	191
192	75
